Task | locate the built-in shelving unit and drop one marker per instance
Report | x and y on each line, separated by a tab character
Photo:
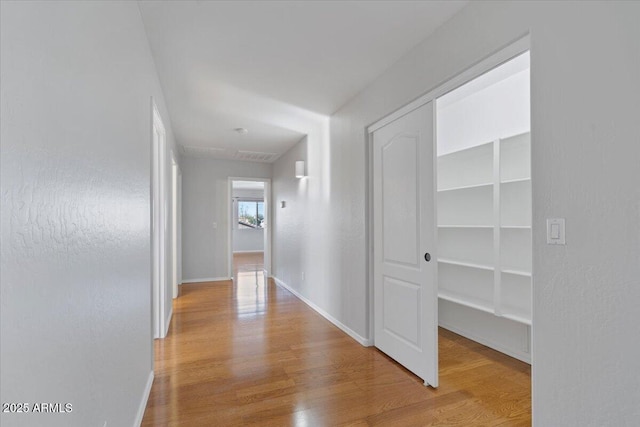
484	227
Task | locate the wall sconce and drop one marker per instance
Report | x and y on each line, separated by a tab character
300	169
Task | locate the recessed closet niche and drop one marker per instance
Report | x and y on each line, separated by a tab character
484	209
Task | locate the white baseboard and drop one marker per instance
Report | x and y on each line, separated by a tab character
206	279
143	402
363	341
249	252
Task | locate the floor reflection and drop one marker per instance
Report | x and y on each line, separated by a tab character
250	284
249	353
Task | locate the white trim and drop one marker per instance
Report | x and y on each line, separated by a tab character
497	244
503	55
230	226
525	357
206	279
174	225
168	321
248	252
465	264
159	201
145	399
363	341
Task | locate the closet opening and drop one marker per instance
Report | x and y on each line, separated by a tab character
484	209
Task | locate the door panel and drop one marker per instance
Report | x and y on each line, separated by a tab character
399	191
405	294
404	324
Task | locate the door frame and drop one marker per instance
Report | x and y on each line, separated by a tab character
267	219
494	60
158	224
176	197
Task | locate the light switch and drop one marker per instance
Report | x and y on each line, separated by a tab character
555	231
215	225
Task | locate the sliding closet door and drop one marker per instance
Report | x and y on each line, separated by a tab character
405	291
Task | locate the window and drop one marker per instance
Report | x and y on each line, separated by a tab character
250	214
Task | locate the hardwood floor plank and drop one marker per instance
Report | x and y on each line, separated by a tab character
249	353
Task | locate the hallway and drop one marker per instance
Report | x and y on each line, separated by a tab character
251	353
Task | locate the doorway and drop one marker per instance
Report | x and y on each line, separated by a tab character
484	209
249	230
480	248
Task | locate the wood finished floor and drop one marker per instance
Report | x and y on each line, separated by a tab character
250	353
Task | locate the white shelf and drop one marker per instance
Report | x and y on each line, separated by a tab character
467	167
466	226
517	272
471	284
473	206
467	245
468	149
484	230
515	203
515	181
465	264
515	157
515	295
459	300
466	187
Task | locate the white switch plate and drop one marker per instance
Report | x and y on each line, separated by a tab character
555	231
215	225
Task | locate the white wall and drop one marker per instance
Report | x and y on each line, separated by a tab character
205	200
247	239
77	78
498	111
585	63
290	226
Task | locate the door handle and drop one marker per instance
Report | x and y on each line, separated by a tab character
427	256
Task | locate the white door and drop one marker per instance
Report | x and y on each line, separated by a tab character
405	290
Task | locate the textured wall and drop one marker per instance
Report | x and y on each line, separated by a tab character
289	223
76	84
586	150
205	197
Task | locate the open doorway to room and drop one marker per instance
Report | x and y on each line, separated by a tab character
249	233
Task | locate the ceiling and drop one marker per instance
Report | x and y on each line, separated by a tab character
276	68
